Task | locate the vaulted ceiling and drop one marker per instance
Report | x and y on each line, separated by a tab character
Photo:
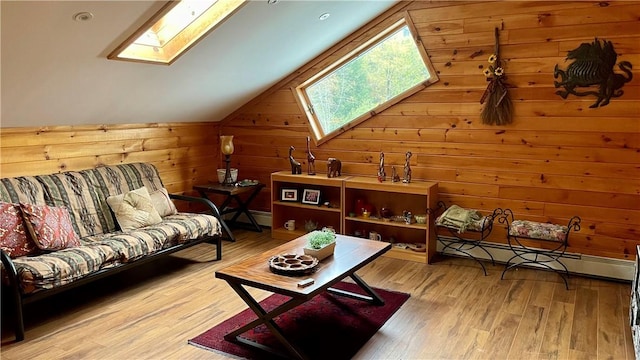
54	70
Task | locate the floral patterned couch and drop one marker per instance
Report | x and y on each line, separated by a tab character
62	230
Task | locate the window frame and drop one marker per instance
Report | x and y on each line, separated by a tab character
318	134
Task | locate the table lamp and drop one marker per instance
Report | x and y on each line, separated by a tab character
226	147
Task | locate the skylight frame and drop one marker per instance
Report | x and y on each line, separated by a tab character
168	53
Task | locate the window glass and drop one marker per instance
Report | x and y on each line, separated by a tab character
383	71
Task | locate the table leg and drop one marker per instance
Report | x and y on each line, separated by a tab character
265	318
244	208
224	225
373	297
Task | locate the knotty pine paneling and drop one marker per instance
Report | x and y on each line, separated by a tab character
184	153
559	158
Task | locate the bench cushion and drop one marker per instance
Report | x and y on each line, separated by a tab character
474	225
538	230
461	219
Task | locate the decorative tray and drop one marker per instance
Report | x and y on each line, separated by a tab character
292	264
247	182
400	219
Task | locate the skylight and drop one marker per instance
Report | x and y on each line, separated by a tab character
174	29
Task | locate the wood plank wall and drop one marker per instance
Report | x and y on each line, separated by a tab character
184	153
559	158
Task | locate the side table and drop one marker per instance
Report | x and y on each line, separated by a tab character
232	192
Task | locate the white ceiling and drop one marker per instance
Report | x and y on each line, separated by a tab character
54	70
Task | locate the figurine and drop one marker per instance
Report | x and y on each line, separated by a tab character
310	225
407	168
334	168
382	176
296	168
394	175
311	160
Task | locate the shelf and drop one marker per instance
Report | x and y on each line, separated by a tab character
404	254
387	222
282	211
415	197
304	179
367	183
306	206
284	234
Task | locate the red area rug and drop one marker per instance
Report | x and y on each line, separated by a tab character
326	327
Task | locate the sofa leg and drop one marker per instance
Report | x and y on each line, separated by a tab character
219	248
17	301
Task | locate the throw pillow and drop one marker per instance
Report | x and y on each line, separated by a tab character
14	240
50	227
162	203
134	209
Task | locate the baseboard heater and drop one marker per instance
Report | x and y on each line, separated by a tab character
587	265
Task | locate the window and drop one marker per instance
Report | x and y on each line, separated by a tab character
174	29
384	70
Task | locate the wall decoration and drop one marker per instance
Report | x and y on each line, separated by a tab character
593	66
296	168
498	109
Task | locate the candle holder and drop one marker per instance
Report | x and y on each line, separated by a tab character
226	147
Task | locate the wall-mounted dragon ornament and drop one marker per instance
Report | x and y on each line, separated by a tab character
593	66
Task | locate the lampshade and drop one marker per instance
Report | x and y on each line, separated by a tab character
226	144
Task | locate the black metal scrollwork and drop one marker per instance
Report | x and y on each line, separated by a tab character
593	66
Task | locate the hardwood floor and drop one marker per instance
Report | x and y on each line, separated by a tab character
455	312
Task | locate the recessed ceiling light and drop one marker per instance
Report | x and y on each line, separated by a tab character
272	2
324	16
83	16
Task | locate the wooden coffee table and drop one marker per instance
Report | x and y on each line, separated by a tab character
349	256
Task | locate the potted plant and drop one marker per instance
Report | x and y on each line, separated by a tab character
321	243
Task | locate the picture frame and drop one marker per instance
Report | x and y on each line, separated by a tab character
311	196
289	195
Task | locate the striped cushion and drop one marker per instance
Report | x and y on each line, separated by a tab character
106	250
71	190
49	270
191	226
119	179
22	189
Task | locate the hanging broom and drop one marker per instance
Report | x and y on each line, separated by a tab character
498	109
